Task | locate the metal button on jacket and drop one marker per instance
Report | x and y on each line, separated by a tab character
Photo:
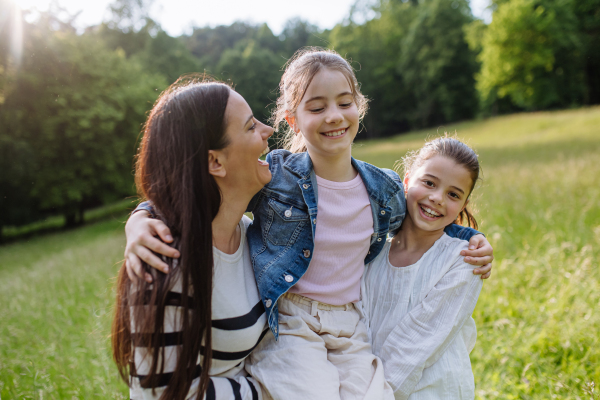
306	186
289	278
382	212
379	239
287	213
306	253
268	303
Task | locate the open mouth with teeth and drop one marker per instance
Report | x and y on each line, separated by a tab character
429	213
264	153
334	134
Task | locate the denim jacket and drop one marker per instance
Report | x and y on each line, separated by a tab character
281	237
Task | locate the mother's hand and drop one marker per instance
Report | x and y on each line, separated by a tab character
142	241
480	252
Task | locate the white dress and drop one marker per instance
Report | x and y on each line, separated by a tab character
419	320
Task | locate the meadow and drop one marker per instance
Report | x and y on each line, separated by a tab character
538	317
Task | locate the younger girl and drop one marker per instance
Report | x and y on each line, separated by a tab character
320	219
419	294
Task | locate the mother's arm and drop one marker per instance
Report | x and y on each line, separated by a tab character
144	236
147	237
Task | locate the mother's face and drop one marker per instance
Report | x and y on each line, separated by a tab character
243	170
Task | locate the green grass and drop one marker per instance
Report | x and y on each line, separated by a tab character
538	317
56	296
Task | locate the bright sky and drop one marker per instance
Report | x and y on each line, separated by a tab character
178	16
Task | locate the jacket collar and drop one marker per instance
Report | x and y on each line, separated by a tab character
300	164
380	186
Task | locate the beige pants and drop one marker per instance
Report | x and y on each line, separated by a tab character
323	352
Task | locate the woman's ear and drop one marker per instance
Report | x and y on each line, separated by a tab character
215	166
291	120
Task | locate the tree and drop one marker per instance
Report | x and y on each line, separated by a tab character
168	56
437	65
74	116
532	53
255	72
413	63
298	33
588	16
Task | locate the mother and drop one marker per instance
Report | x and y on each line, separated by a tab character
198	163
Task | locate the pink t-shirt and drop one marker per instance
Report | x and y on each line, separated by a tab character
342	239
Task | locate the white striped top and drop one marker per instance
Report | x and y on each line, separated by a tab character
238	325
420	323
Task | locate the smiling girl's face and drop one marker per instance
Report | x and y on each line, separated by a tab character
328	116
437	192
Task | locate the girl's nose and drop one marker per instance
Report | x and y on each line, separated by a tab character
334	116
436	197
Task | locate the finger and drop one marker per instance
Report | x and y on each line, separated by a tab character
479	260
129	271
485	276
483	270
152	260
476	241
484	251
134	266
162	231
154	244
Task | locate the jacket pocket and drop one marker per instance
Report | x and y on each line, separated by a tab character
285	221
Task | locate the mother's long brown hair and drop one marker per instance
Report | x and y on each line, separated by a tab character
172	171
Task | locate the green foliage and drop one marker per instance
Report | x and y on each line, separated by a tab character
414	64
255	71
71	121
532	53
208	44
297	34
167	56
437	65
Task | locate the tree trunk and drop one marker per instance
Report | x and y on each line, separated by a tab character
70	219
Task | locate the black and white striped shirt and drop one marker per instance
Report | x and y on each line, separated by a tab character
238	325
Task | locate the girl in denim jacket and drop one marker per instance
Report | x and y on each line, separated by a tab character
323	216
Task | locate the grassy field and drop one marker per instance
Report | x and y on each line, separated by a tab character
538	317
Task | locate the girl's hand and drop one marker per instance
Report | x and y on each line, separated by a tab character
480	253
141	233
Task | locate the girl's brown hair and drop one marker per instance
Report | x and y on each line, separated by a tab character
299	73
172	171
456	150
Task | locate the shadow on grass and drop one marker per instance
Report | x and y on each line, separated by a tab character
53	224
